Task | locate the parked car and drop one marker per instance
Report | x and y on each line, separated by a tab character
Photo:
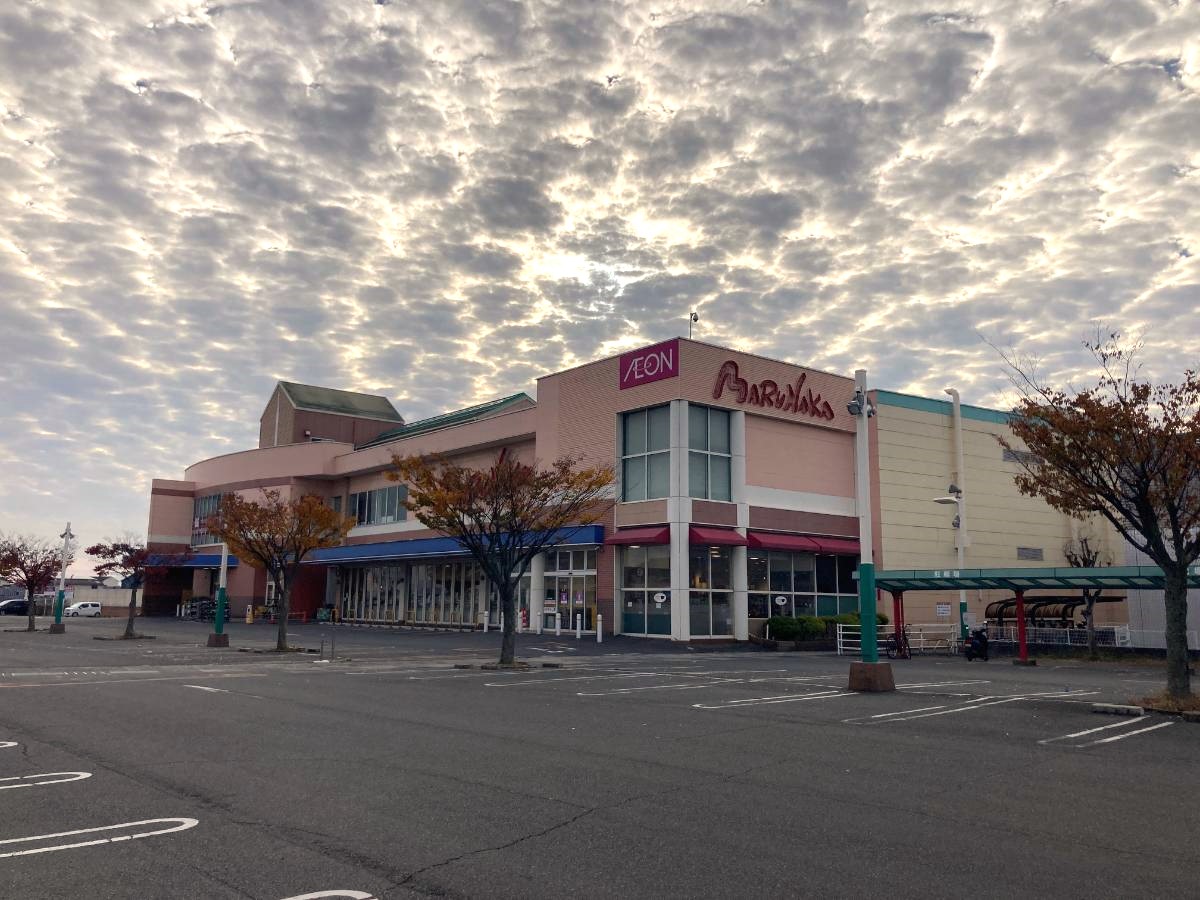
86	608
15	607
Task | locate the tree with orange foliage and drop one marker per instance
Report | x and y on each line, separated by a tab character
504	515
1126	450
31	563
276	534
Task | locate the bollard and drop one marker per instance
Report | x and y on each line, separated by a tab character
578	626
501	622
599	628
557	624
322	656
486	613
179	610
332	647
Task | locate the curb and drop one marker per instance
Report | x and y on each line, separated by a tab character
1192	715
1117	709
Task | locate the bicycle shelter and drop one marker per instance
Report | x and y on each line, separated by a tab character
900	581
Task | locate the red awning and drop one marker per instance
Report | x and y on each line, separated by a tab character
719	537
841	546
654	534
770	541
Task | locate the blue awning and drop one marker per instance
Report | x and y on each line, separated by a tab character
190	561
441	546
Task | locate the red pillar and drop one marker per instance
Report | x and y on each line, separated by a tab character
1022	646
897	613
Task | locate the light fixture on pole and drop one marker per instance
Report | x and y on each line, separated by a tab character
956	500
869	674
57	627
693	317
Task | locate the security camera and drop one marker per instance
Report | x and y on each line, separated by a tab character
695	317
854	407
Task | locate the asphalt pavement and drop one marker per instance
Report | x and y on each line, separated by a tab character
165	769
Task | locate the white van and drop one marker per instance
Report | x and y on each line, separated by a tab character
87	608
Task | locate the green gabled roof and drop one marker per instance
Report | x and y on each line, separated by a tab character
445	420
347	403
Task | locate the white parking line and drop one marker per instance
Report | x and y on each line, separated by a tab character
52	776
201	687
578	678
1076	734
969	706
14	687
662	687
4	745
766	701
347	895
928	684
1127	734
183	825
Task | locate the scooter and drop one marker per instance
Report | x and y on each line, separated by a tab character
976	645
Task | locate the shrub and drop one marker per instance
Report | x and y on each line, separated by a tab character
810	628
782	628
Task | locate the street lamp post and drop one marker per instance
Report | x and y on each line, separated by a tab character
960	540
870	674
219	638
58	627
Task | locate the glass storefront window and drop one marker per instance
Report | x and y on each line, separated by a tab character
645	455
646	589
756	571
709	461
827	575
710	600
796	578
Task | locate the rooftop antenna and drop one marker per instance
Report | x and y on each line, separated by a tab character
693	317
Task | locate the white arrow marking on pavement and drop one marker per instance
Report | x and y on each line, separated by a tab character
53	776
348	895
183	825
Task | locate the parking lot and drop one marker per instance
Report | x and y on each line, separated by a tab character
164	769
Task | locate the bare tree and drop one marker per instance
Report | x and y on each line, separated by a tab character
1082	554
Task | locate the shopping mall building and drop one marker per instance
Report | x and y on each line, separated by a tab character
735	499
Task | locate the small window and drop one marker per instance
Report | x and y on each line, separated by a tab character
646	454
709	461
1031	553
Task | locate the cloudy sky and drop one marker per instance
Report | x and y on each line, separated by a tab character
439	200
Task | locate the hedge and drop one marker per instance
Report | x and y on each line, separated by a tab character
811	628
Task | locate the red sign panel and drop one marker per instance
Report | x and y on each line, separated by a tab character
650	364
793	398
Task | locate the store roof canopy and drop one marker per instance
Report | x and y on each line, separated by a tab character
440	546
653	534
715	537
190	561
800	543
1030	579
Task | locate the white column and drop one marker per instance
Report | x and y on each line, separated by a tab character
537	591
679	513
737	476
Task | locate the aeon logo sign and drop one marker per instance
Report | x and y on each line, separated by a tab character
650	364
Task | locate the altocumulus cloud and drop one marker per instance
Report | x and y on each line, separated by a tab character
440	200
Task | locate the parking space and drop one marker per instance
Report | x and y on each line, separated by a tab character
393	774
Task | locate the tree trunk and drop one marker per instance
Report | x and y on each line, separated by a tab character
283	604
1179	683
132	612
31	609
508	608
1089	620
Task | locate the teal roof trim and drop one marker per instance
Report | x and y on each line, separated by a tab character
941	407
1027	579
445	420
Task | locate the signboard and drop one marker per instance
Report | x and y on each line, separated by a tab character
660	598
781	601
943	609
650	364
793	398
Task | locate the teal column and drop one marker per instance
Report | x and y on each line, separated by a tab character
59	598
866	612
962	618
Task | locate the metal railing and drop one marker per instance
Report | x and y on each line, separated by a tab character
936	637
1106	636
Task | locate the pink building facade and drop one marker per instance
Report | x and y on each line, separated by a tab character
734	500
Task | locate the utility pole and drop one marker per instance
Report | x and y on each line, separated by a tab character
870	674
58	627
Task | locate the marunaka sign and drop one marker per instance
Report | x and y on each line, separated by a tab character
793	398
662	361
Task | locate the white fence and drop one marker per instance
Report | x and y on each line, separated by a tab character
1106	636
938	637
